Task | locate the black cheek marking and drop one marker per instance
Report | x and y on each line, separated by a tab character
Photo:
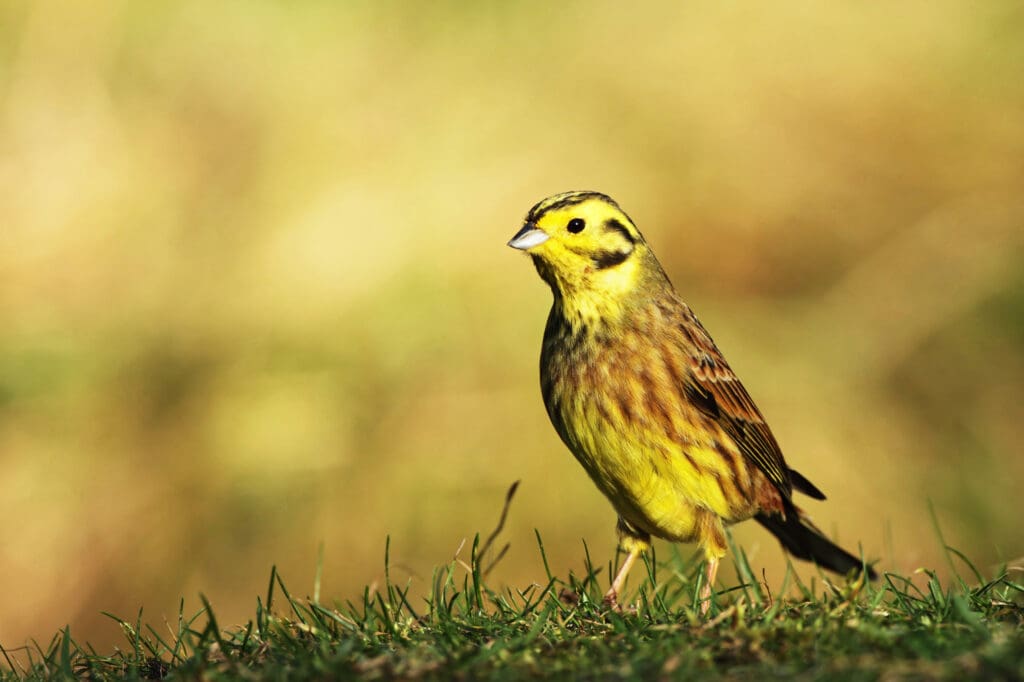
608	259
615	226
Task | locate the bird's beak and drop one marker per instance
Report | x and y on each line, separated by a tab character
528	237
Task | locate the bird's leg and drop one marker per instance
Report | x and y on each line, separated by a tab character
611	597
714	542
711	571
634	542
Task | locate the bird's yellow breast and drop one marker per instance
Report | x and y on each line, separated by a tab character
659	461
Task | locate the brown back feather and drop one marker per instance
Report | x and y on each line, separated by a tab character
713	388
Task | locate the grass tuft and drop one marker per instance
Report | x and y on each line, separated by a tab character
471	629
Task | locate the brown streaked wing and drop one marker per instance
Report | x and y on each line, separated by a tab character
717	392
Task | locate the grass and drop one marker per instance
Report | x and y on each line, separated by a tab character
468	629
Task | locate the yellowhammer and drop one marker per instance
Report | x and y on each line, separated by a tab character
643	398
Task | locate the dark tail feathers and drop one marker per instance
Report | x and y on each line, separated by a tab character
805	486
803	540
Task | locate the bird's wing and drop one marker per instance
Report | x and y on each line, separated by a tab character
714	388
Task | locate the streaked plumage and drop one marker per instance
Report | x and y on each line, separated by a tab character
640	394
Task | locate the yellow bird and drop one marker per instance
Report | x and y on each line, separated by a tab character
643	398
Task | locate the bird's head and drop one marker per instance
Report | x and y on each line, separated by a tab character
586	248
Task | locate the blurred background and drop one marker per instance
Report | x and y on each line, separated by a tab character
255	294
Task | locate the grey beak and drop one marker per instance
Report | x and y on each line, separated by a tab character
528	237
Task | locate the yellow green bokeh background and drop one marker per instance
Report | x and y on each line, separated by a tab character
255	294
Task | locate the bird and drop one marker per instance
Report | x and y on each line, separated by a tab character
643	398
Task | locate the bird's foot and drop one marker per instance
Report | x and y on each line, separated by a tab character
611	602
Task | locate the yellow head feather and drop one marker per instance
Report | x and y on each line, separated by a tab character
589	252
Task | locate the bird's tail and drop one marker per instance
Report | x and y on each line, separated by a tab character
802	539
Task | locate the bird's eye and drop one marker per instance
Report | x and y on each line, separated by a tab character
576	225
